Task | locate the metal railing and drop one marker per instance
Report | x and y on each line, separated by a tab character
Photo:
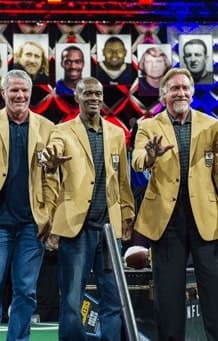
117	266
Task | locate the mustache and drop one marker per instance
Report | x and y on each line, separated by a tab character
31	64
180	99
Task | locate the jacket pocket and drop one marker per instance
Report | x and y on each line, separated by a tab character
150	195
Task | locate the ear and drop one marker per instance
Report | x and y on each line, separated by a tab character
76	98
3	94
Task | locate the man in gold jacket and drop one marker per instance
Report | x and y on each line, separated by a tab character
95	190
27	200
179	212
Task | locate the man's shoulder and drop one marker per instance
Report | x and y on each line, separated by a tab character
41	119
156	119
41	78
72	123
207	79
62	89
203	115
17	66
204	120
112	126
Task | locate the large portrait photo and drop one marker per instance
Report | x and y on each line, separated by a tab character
196	54
154	60
114	59
31	55
3	59
72	62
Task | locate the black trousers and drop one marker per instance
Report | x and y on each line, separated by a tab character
169	260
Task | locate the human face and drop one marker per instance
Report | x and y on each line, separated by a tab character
195	59
154	67
114	54
178	95
73	64
31	59
17	99
90	99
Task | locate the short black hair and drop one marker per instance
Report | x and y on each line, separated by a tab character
72	48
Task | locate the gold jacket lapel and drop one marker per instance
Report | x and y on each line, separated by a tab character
4	130
80	131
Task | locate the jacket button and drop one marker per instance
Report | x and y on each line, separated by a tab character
4	174
92	182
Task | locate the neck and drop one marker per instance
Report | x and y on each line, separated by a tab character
92	121
199	75
154	82
112	67
180	117
71	83
18	117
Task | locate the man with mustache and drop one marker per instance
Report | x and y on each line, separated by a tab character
179	146
31	58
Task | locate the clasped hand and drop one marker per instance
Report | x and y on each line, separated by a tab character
52	242
127	226
51	158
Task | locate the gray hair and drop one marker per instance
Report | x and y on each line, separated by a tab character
16	74
172	72
80	85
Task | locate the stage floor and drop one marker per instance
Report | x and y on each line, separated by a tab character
39	331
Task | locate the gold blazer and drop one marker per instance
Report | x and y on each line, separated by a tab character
43	188
162	191
78	177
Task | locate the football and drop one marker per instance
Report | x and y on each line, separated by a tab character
136	257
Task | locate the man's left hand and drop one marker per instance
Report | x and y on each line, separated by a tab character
127	225
44	234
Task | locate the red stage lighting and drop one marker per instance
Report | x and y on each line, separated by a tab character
54	1
145	2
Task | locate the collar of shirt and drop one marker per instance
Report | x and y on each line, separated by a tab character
176	122
88	127
23	123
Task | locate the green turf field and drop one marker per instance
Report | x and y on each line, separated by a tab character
39	332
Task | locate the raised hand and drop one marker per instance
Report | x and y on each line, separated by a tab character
154	148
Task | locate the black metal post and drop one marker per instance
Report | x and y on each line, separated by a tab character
120	278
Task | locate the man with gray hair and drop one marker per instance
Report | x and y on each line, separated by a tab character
180	148
27	200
